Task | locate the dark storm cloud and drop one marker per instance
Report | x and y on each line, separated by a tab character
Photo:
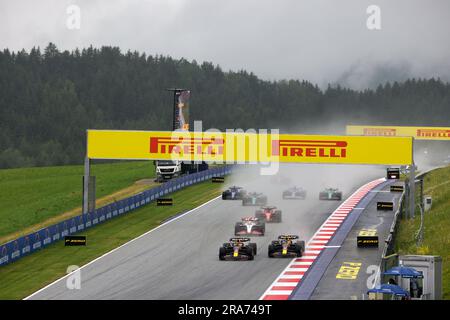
324	41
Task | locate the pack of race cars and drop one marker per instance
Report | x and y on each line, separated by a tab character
240	247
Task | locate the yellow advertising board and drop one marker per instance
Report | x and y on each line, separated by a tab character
419	133
232	147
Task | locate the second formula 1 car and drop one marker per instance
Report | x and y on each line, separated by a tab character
268	214
286	246
233	193
254	199
250	226
238	249
294	193
330	194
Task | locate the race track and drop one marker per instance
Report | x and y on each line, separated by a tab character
179	260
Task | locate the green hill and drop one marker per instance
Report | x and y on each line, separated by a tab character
31	196
437	225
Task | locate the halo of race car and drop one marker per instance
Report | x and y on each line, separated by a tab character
240	246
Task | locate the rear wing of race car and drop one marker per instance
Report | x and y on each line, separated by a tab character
249	219
239	240
288	237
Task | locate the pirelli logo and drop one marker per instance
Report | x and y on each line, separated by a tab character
367	242
74	241
248	147
186	146
396	188
164	202
385	206
309	148
380	132
422	133
433	133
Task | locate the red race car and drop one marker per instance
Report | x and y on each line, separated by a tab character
268	214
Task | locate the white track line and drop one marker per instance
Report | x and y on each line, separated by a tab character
123	245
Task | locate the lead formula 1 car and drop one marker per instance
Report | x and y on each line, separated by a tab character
238	249
286	246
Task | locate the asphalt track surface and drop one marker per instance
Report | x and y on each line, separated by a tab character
179	260
331	288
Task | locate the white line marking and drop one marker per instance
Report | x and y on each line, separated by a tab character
123	245
286	284
280	292
289	276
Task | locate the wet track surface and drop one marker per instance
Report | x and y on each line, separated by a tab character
179	260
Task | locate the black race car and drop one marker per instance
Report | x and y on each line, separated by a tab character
238	249
330	194
254	199
250	226
233	193
294	193
268	214
286	246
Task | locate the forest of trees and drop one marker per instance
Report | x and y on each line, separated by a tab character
48	99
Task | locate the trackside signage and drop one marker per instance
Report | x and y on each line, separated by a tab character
419	133
233	147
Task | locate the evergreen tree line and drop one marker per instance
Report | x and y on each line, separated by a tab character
48	99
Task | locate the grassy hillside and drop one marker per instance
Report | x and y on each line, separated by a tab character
33	272
437	225
30	196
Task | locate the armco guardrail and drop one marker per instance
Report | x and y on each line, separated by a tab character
16	249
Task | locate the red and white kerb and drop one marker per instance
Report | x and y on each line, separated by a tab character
288	280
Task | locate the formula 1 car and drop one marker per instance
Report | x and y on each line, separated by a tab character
286	247
294	193
268	214
280	180
250	226
238	249
254	199
330	194
233	193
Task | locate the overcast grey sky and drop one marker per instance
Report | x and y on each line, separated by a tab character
323	41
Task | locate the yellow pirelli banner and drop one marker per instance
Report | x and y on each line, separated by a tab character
419	133
234	147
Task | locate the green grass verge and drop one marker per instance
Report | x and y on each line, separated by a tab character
32	195
21	278
437	225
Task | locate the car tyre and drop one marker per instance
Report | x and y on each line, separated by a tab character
222	253
254	247
271	251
